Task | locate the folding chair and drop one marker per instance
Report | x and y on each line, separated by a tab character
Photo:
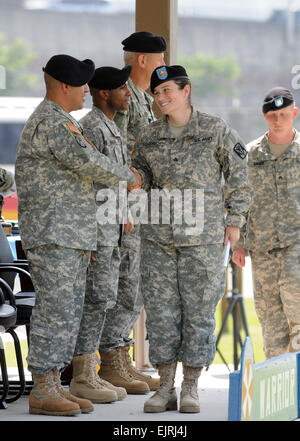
23	301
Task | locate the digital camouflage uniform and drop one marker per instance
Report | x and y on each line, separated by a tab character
121	319
103	272
183	278
6	183
54	170
274	243
6	180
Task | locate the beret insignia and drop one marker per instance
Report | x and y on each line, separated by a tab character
162	73
278	101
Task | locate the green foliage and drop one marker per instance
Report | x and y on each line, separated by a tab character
254	328
10	354
15	57
211	75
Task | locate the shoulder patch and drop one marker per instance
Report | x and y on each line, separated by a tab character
74	128
240	150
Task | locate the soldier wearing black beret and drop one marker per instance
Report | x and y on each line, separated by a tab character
166	73
144	41
144	51
69	70
186	149
110	93
108	78
273	232
277	98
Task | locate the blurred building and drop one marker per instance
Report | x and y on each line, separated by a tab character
263	36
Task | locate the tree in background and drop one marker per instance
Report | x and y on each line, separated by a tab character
15	58
212	77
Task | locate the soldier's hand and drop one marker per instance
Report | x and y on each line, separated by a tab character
238	257
233	234
93	258
128	226
136	187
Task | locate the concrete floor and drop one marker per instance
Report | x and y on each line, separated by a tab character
213	392
117	419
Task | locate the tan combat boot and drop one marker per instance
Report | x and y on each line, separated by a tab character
189	400
46	400
120	391
153	383
112	370
165	398
84	383
86	406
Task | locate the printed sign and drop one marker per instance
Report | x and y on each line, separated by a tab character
266	391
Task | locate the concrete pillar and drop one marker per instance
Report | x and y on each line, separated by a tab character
160	17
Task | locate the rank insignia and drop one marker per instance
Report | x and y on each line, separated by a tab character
278	101
240	150
162	73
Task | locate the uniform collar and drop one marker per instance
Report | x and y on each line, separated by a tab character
139	93
294	148
265	152
190	129
50	103
111	125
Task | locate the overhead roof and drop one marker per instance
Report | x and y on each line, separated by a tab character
215	9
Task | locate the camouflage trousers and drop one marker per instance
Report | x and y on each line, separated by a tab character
59	277
276	285
121	318
100	295
181	289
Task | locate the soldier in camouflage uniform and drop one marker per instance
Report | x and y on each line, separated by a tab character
273	238
55	168
110	94
185	154
7	181
144	51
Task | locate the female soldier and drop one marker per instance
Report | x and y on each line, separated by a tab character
182	158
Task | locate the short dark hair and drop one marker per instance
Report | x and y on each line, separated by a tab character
181	83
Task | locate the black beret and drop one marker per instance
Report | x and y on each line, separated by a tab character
69	70
166	73
108	77
277	98
145	42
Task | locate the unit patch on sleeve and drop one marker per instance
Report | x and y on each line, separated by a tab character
240	150
77	135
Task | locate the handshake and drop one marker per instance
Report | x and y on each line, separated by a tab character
136	187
